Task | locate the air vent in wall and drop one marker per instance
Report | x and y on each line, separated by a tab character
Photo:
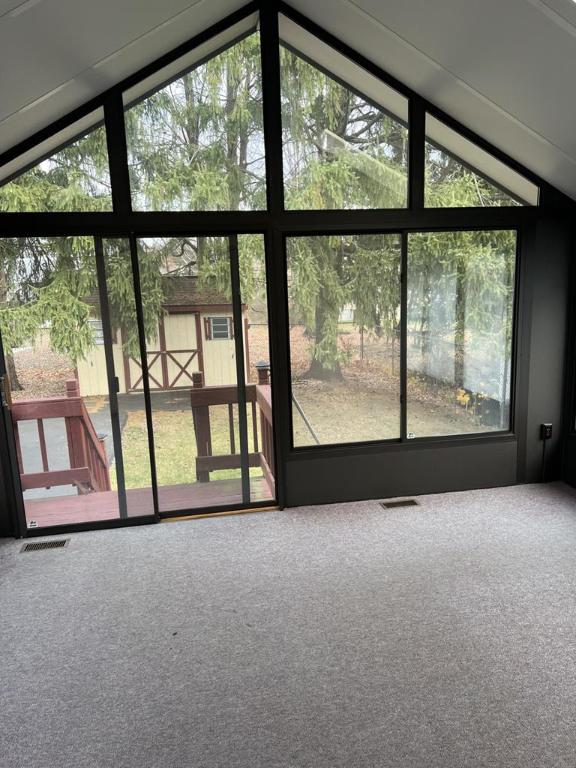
36	546
399	503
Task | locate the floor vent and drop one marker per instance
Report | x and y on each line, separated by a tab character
399	503
36	546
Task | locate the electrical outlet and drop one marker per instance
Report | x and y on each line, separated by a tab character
545	431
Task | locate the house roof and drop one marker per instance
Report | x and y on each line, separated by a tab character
503	69
185	292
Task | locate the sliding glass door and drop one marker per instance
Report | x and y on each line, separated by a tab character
62	381
205	312
136	375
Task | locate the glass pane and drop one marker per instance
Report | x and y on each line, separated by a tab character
126	353
257	355
461	174
75	178
49	317
344	315
460	321
197	143
341	149
192	376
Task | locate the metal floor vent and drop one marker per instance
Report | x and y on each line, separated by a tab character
399	503
36	546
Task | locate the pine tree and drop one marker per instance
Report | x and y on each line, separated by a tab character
197	144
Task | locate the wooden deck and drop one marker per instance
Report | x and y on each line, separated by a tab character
91	507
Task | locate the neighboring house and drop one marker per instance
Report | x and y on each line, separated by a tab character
196	333
346	314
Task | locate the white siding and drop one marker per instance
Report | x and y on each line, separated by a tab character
219	356
180	333
92	374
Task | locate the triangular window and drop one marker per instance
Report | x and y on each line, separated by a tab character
61	175
196	142
459	174
345	135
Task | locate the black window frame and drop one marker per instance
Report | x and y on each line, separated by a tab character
403	439
276	223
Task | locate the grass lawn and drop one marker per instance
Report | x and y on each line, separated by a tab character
175	447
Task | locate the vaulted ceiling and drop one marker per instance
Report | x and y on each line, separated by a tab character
505	69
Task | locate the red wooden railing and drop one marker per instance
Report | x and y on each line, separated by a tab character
264	401
88	461
258	396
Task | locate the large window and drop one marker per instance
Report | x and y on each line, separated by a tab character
345	330
196	390
66	317
459	326
152	319
344	298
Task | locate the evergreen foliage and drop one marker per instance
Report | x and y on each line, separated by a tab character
197	144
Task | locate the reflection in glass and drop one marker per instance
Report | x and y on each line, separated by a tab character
340	149
460	314
344	315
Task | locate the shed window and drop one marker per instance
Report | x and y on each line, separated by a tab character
97	331
219	328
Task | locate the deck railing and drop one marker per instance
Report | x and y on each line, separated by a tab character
258	398
87	455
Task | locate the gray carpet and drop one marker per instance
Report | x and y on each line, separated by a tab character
346	636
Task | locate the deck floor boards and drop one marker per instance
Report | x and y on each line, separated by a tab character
93	507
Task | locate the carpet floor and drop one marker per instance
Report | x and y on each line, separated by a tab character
343	636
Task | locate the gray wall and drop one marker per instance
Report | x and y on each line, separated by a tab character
543	350
403	471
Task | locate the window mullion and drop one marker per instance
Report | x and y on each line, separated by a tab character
271	99
416	152
117	152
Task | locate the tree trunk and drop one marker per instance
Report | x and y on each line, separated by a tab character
15	385
9	357
318	369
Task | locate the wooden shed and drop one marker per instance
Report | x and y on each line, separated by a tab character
195	333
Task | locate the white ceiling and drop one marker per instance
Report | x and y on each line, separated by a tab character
505	68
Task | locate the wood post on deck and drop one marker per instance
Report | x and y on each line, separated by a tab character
201	420
72	388
263	370
74	434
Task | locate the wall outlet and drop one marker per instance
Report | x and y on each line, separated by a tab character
545	431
